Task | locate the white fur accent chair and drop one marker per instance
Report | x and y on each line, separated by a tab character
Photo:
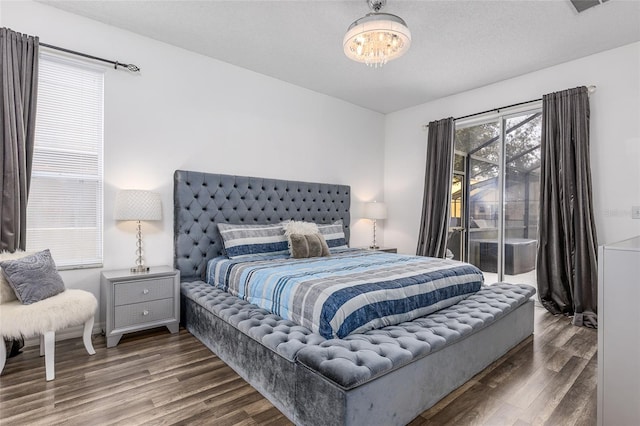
70	308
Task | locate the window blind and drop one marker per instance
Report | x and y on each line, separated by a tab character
64	211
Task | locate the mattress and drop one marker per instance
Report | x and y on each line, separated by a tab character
351	291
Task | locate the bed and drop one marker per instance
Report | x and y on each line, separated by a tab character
385	375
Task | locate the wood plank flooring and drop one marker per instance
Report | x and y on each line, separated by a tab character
158	378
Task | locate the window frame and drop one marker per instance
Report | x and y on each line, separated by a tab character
499	117
77	262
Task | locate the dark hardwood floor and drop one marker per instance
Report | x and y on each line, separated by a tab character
158	378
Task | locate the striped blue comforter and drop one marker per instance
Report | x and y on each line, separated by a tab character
351	291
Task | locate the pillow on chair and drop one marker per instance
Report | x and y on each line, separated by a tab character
33	277
6	291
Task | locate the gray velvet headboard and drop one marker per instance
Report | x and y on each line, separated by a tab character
201	200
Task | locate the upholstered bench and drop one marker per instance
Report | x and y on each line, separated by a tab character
341	381
360	358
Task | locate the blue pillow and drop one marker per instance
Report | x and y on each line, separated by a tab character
33	278
334	234
249	240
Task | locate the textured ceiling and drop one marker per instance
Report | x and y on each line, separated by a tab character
457	45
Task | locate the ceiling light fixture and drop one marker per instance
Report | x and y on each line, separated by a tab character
377	38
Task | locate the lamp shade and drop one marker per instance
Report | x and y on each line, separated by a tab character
375	210
133	204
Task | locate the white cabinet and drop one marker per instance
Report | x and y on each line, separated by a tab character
619	333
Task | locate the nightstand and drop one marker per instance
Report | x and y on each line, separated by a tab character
136	301
385	249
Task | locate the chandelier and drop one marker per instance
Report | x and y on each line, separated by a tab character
377	38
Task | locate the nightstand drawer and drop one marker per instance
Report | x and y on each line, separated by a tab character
128	292
140	313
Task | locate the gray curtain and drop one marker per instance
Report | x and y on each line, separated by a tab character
432	239
19	88
567	249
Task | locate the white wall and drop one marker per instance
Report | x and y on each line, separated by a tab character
615	140
187	111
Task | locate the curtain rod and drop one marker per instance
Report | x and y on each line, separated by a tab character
497	109
591	89
116	64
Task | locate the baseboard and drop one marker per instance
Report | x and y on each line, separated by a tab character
68	333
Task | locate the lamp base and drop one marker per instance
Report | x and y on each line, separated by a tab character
374	247
139	268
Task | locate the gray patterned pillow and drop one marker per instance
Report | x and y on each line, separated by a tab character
33	277
6	291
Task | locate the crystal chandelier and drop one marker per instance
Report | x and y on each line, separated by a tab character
377	38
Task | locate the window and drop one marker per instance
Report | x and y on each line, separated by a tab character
64	212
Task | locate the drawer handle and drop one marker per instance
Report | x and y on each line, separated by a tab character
145	312
145	291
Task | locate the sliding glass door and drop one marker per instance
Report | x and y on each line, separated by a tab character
495	199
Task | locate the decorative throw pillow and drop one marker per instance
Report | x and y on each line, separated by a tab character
334	234
310	245
249	240
6	291
33	277
299	227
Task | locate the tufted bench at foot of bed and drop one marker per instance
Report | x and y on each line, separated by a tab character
386	376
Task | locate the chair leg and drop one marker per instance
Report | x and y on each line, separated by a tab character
42	345
86	336
50	354
3	355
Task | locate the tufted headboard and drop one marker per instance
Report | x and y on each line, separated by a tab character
201	200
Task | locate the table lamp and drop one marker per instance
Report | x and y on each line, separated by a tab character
138	205
374	211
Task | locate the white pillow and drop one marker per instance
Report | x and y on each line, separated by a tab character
299	227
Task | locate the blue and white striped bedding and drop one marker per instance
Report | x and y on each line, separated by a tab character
350	292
